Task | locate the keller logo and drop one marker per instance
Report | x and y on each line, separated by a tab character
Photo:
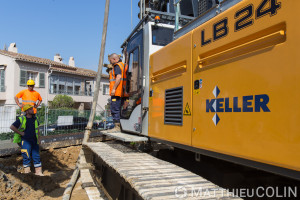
250	103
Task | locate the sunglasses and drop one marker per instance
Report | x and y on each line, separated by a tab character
30	85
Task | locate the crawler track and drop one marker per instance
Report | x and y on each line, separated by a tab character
129	174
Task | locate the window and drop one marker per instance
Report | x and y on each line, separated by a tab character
70	90
62	85
2	79
32	76
23	77
88	88
77	86
53	84
69	85
61	89
161	36
134	74
42	80
105	89
28	75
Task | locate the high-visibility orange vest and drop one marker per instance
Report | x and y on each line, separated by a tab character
29	97
125	94
139	101
112	80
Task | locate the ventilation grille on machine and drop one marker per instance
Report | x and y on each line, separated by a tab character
173	106
205	5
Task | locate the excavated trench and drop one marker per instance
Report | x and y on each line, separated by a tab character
58	166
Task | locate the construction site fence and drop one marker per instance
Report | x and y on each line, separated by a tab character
53	121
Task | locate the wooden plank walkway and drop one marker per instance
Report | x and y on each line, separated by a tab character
156	179
125	137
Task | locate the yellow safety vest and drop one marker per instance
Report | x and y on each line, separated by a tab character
17	137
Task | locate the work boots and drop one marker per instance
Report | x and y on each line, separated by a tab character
38	171
27	170
116	129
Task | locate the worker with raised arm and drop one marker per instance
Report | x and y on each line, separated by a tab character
116	89
29	96
26	130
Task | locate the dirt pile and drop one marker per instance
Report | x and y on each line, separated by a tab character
58	165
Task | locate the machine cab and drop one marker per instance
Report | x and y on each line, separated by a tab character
149	38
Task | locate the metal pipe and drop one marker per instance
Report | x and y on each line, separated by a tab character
47	100
99	74
177	13
131	14
141	9
144	8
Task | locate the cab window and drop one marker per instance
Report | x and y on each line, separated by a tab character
133	86
161	36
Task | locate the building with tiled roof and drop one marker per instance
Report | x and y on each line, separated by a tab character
52	77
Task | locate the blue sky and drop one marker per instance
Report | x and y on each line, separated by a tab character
43	28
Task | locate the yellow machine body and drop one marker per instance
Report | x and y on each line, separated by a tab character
240	73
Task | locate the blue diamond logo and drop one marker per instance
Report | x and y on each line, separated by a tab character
216	119
216	91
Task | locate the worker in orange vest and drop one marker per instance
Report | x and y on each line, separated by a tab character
116	89
29	96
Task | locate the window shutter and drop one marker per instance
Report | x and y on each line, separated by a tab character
42	80
23	77
2	83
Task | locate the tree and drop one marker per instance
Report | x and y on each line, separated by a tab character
62	102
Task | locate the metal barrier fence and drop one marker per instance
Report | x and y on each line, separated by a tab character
54	121
7	117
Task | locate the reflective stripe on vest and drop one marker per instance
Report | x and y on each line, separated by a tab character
22	127
110	76
125	94
28	101
119	89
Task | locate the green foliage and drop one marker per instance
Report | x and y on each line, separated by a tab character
41	114
99	117
53	114
18	112
6	136
132	143
62	102
107	106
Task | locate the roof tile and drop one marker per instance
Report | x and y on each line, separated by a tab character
56	66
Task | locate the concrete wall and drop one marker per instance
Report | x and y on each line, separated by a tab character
10	82
102	99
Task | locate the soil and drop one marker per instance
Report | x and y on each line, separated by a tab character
58	166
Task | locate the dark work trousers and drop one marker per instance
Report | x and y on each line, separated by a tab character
116	108
30	151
